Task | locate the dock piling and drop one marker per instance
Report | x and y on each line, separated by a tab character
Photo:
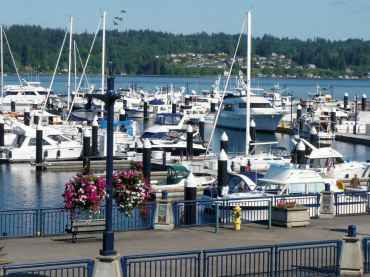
26	116
86	153
201	128
190	194
224	144
2	132
147	155
189	143
39	148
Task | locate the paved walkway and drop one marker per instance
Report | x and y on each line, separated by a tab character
30	250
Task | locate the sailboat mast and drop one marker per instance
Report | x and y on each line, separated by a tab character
248	107
103	55
2	66
75	64
69	62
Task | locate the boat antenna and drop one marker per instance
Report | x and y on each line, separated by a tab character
226	84
248	106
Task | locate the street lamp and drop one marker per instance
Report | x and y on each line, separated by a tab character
108	98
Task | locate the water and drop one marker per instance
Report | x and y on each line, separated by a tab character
22	187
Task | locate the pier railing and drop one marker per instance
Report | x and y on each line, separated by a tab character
318	258
55	221
80	268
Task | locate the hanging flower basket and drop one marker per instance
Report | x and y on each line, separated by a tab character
130	191
84	193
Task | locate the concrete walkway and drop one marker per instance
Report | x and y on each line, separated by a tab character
31	250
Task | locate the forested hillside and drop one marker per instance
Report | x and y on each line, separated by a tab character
158	53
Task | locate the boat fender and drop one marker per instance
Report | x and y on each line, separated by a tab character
341	185
58	154
10	154
46	153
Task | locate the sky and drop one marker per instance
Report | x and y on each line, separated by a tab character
331	19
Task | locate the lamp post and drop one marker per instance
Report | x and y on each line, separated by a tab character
108	98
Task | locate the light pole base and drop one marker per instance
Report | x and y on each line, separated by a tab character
107	266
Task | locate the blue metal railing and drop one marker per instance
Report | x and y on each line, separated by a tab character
242	261
307	259
318	258
80	268
179	264
351	203
54	221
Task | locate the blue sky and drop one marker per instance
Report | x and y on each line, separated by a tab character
333	19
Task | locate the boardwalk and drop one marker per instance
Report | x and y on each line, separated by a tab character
30	250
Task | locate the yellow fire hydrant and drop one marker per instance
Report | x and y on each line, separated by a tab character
237	220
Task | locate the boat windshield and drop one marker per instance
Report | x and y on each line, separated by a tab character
150	135
168	119
270	188
237	184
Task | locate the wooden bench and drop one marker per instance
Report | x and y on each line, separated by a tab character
86	226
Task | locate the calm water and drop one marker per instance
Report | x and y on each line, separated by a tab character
22	187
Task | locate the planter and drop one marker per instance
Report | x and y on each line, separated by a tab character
290	217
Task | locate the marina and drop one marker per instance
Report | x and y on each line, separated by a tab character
258	176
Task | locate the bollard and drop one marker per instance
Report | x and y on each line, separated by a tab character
299	117
94	138
201	128
12	105
124	103
222	172
2	132
86	153
301	149
224	144
345	101
363	102
327	203
173	107
38	148
122	115
190	194
147	157
189	143
217	217
146	116
26	116
313	136
333	119
352	231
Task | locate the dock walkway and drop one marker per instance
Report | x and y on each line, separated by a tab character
42	249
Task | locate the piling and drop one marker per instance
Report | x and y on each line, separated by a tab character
50	120
190	194
124	103
333	119
363	102
94	138
222	172
146	115
173	107
12	105
201	128
147	155
26	116
189	143
252	133
313	136
2	132
224	144
345	101
86	153
213	105
187	100
301	151
38	147
122	115
36	118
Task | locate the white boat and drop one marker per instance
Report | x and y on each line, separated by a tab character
163	123
55	146
328	162
233	113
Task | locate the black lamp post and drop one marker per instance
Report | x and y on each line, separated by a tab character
108	98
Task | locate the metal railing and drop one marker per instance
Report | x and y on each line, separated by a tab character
366	248
319	258
54	221
179	264
351	203
75	268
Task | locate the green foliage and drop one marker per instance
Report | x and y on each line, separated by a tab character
146	52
